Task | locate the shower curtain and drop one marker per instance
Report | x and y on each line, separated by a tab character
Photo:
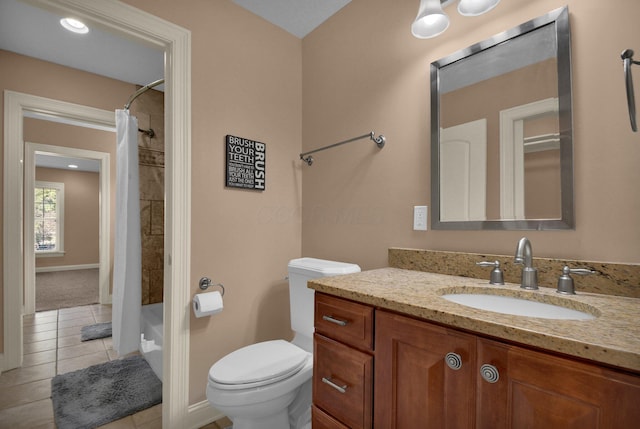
127	277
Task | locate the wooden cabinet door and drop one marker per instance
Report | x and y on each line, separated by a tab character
414	386
537	390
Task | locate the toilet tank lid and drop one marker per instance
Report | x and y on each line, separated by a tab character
321	267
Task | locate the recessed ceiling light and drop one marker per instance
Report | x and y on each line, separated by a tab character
74	25
72	166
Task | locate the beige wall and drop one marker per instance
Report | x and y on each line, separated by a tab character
246	81
81	216
363	70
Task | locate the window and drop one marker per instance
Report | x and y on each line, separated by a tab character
48	217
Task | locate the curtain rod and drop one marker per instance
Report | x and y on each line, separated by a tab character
380	141
141	91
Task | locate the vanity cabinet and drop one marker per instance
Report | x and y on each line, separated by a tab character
434	377
431	376
342	364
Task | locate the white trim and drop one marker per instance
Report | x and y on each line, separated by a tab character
176	42
512	154
105	207
201	414
67	268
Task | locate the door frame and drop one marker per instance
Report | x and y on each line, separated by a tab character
176	42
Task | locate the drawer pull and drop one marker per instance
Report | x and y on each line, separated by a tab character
341	389
453	360
489	373
334	320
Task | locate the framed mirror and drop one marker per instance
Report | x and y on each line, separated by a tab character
501	131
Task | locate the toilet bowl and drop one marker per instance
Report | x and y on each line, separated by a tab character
267	385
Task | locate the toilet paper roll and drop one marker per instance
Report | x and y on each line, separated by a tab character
206	304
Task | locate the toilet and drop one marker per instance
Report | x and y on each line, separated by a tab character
267	385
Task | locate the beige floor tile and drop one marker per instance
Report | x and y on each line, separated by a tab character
27	374
39	358
80	362
74	310
12	396
38	320
81	321
28	416
101	318
125	423
148	415
39	336
65	332
39	346
69	340
153	424
86	348
40	327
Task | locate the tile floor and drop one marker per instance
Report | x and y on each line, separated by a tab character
52	346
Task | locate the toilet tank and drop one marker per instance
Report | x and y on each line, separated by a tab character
301	297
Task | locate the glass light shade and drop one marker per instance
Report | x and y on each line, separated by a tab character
476	7
74	25
431	20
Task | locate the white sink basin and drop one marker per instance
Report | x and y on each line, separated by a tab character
517	306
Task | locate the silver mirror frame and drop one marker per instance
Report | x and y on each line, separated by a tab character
560	19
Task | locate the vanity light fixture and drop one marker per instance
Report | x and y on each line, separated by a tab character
432	21
72	166
74	25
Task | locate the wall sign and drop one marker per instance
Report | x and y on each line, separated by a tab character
246	163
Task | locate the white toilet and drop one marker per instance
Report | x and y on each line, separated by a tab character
268	385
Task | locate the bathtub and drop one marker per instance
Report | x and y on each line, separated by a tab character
151	336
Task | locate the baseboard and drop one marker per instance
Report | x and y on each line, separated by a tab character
201	414
66	268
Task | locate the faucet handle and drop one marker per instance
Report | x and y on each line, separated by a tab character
496	277
565	281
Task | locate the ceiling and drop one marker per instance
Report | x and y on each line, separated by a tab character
35	32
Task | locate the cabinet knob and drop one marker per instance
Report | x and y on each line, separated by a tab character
453	360
341	389
334	320
490	373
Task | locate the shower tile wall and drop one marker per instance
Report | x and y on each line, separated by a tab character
149	109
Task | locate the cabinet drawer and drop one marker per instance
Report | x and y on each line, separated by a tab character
345	321
322	420
342	382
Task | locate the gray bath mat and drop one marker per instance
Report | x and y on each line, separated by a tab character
100	394
93	332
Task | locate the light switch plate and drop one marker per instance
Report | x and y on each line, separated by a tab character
420	218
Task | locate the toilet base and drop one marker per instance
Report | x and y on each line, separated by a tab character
275	421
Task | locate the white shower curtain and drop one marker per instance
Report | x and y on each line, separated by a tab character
127	277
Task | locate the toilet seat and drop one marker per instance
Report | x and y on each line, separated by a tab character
258	365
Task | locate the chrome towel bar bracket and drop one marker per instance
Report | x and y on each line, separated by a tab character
380	141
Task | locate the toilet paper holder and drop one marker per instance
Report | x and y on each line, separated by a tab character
205	282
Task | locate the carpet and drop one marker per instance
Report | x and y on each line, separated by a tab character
64	289
94	332
100	394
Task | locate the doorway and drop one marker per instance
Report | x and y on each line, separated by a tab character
176	42
103	162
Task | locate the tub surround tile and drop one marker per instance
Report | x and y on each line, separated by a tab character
612	279
613	338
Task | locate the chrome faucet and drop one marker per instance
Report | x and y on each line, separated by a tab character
524	255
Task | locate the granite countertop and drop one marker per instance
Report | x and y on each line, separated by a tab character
612	338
